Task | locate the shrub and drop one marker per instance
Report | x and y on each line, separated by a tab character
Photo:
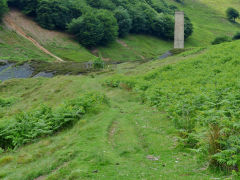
232	14
6	102
98	63
188	27
25	127
221	39
236	36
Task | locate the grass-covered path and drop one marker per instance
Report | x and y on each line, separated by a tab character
128	140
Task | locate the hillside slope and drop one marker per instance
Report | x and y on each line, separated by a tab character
208	18
127	139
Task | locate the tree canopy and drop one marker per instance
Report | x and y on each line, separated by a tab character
232	14
3	8
116	18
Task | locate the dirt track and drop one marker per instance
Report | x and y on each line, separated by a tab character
10	24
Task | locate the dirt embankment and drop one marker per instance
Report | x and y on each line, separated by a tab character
15	21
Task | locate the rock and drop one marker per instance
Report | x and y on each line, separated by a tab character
153	158
95	171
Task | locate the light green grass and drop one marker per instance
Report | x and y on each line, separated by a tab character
209	20
14	47
113	144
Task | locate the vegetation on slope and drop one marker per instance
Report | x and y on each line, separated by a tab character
201	97
90	18
209	20
125	140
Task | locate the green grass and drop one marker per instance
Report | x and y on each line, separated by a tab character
70	51
209	20
200	95
115	142
14	47
112	144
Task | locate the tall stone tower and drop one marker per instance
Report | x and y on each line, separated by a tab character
179	30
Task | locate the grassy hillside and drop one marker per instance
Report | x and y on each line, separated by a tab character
98	145
119	142
209	20
14	47
176	118
132	47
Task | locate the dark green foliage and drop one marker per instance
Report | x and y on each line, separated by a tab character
92	29
236	36
6	102
87	29
110	26
221	39
124	21
56	14
232	14
29	7
179	1
3	8
163	26
102	4
26	127
116	18
188	27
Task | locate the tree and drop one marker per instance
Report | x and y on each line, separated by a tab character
232	14
56	14
163	26
124	21
3	8
88	29
188	27
110	26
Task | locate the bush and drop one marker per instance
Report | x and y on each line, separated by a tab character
221	39
236	36
232	14
87	29
98	63
188	27
6	102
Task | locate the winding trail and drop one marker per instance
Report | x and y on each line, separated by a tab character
10	24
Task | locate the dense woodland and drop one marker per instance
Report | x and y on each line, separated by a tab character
100	22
